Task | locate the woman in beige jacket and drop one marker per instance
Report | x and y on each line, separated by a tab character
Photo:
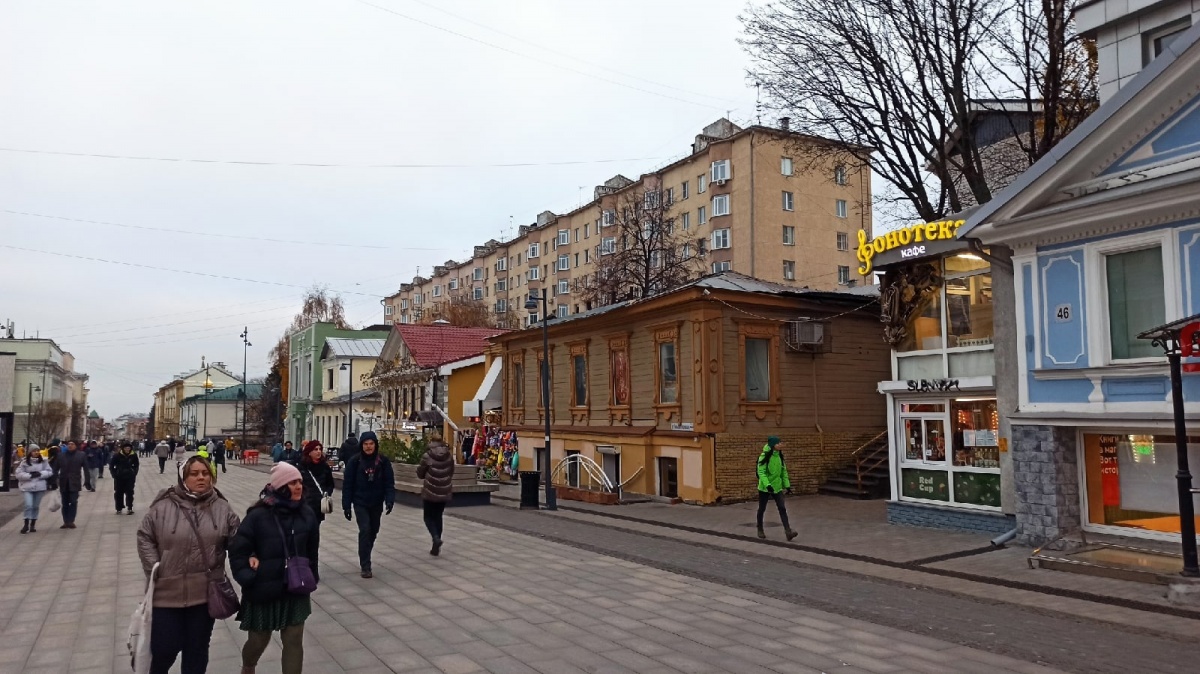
168	536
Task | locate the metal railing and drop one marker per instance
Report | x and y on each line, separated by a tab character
871	455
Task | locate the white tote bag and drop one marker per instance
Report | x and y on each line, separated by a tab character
53	501
139	630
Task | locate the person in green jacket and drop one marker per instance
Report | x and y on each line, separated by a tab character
772	482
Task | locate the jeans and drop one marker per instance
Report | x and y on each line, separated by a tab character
175	630
763	497
70	505
162	464
292	637
123	492
367	518
33	501
433	518
89	478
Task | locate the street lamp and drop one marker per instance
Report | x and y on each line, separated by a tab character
350	406
208	385
1178	339
531	304
29	410
245	399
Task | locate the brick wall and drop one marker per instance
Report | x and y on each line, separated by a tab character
934	517
1046	473
810	459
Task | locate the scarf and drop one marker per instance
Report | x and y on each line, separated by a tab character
279	498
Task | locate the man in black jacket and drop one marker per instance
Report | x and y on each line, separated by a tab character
71	465
369	487
348	450
124	469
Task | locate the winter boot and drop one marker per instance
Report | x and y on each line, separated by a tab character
791	534
761	533
33	526
25	529
247	670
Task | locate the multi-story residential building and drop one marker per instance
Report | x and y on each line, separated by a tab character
306	373
1105	246
44	373
168	417
749	200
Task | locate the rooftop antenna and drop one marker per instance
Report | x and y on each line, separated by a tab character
758	103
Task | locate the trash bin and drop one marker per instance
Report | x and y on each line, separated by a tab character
531	480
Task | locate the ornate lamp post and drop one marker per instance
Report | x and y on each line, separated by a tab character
531	304
242	394
208	386
1179	339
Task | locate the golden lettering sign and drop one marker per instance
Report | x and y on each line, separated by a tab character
907	236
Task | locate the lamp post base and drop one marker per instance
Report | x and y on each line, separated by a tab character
551	497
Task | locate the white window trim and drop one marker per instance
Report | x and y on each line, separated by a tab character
477	273
786	242
725	167
792	277
564	263
502	264
564	287
789	164
1096	279
726	266
534	273
713	242
564	237
388	310
838	238
788	200
723	199
845	211
478	293
453	284
605	248
437	291
535	250
608	218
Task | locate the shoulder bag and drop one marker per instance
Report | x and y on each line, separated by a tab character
326	499
222	599
300	578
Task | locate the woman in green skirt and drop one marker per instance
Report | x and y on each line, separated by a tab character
278	537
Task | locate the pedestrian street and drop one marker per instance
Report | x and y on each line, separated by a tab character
494	601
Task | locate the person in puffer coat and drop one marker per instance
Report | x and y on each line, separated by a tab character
279	526
436	470
33	475
123	466
369	488
773	480
168	535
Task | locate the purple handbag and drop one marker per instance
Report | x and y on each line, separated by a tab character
300	579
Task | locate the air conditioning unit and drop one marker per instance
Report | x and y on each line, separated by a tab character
807	335
721	181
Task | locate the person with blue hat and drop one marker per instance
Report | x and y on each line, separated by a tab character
773	480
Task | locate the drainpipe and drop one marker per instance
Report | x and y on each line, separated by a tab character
817	403
999	541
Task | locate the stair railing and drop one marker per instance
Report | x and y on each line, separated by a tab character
870	456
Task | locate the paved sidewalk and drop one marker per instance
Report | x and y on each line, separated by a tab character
483	606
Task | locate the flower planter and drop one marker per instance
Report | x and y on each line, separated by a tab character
587	495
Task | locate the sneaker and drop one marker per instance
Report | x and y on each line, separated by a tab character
367	573
71	525
437	547
129	511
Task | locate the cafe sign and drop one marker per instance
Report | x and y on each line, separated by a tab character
909	242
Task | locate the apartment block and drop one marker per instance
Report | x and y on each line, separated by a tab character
751	200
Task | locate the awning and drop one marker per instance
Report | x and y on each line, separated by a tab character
489	395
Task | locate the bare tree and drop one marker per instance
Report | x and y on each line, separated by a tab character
642	251
47	419
318	307
899	82
465	311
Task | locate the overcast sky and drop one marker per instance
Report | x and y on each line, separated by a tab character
615	87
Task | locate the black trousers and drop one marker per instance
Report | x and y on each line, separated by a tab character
162	464
763	498
433	518
367	518
180	630
123	492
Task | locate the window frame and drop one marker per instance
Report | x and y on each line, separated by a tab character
515	405
534	273
789	201
502	264
564	287
843	279
725	172
685	220
722	199
535	250
477	274
701	216
477	294
564	263
789	270
722	265
725	235
786	166
841	208
789	235
666	333
437	290
606	248
575	350
1096	299
453	284
839	176
564	237
702	183
608	218
761	409
843	241
683	190
618	412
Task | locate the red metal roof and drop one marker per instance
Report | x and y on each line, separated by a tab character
434	345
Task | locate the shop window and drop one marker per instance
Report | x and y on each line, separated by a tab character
1130	480
924	329
962	467
969	306
668	477
1136	301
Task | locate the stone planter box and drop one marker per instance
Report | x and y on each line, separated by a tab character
467	489
587	495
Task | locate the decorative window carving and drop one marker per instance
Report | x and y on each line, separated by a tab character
619	386
580	403
667	403
759	354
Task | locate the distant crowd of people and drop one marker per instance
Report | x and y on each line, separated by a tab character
190	531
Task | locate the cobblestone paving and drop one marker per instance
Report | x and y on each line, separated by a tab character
495	601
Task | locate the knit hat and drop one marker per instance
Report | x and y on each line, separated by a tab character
772	441
282	474
311	445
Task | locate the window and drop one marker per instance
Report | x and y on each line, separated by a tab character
564	237
534	250
843	274
478	293
789	235
329	380
608	245
785	166
1157	41
518	383
670	196
668	371
843	241
576	260
720	205
576	235
502	264
758	369
533	274
403	304
720	239
685	220
502	285
721	266
618	356
453	284
564	287
587	229
840	208
564	262
789	201
701	184
608	217
532	319
501	306
437	291
477	274
650	199
1136	301
789	270
545	373
686	251
388	309
839	175
720	170
587	256
701	216
683	190
563	310
579	378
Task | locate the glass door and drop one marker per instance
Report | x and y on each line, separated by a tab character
924	473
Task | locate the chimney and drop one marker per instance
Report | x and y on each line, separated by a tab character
785	123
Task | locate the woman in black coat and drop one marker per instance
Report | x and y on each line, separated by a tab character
318	477
278	527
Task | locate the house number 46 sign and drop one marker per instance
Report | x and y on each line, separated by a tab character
1062	313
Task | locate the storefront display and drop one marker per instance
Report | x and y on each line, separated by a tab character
970	473
1130	480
